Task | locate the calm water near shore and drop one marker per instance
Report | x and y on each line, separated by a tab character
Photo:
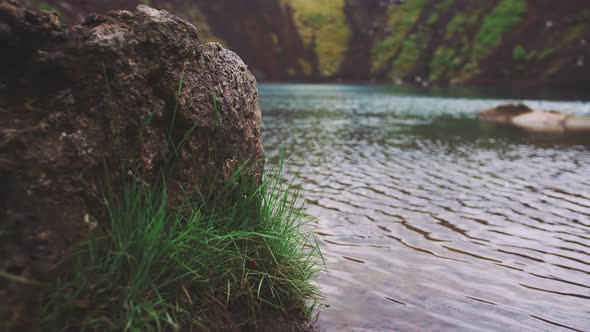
430	220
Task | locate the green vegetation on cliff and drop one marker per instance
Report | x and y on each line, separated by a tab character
520	54
503	17
471	37
322	27
460	24
411	54
467	39
400	21
443	61
524	59
451	62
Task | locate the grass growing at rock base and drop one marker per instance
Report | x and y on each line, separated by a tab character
222	258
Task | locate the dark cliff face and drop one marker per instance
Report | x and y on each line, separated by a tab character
264	33
412	41
364	18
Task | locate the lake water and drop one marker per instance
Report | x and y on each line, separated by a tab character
432	221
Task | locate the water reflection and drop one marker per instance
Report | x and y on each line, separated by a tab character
430	220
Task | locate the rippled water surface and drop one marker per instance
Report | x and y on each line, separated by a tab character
430	220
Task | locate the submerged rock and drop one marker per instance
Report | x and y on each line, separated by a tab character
536	121
133	89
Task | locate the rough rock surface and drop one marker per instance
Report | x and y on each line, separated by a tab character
127	86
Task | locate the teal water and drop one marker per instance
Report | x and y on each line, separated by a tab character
432	221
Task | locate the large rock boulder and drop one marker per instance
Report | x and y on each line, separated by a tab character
535	121
76	103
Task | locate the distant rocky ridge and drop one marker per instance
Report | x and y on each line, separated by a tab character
414	41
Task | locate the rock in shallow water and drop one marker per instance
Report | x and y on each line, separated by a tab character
133	86
535	121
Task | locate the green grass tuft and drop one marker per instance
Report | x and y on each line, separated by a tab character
159	265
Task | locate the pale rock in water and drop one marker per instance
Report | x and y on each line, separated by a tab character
535	121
